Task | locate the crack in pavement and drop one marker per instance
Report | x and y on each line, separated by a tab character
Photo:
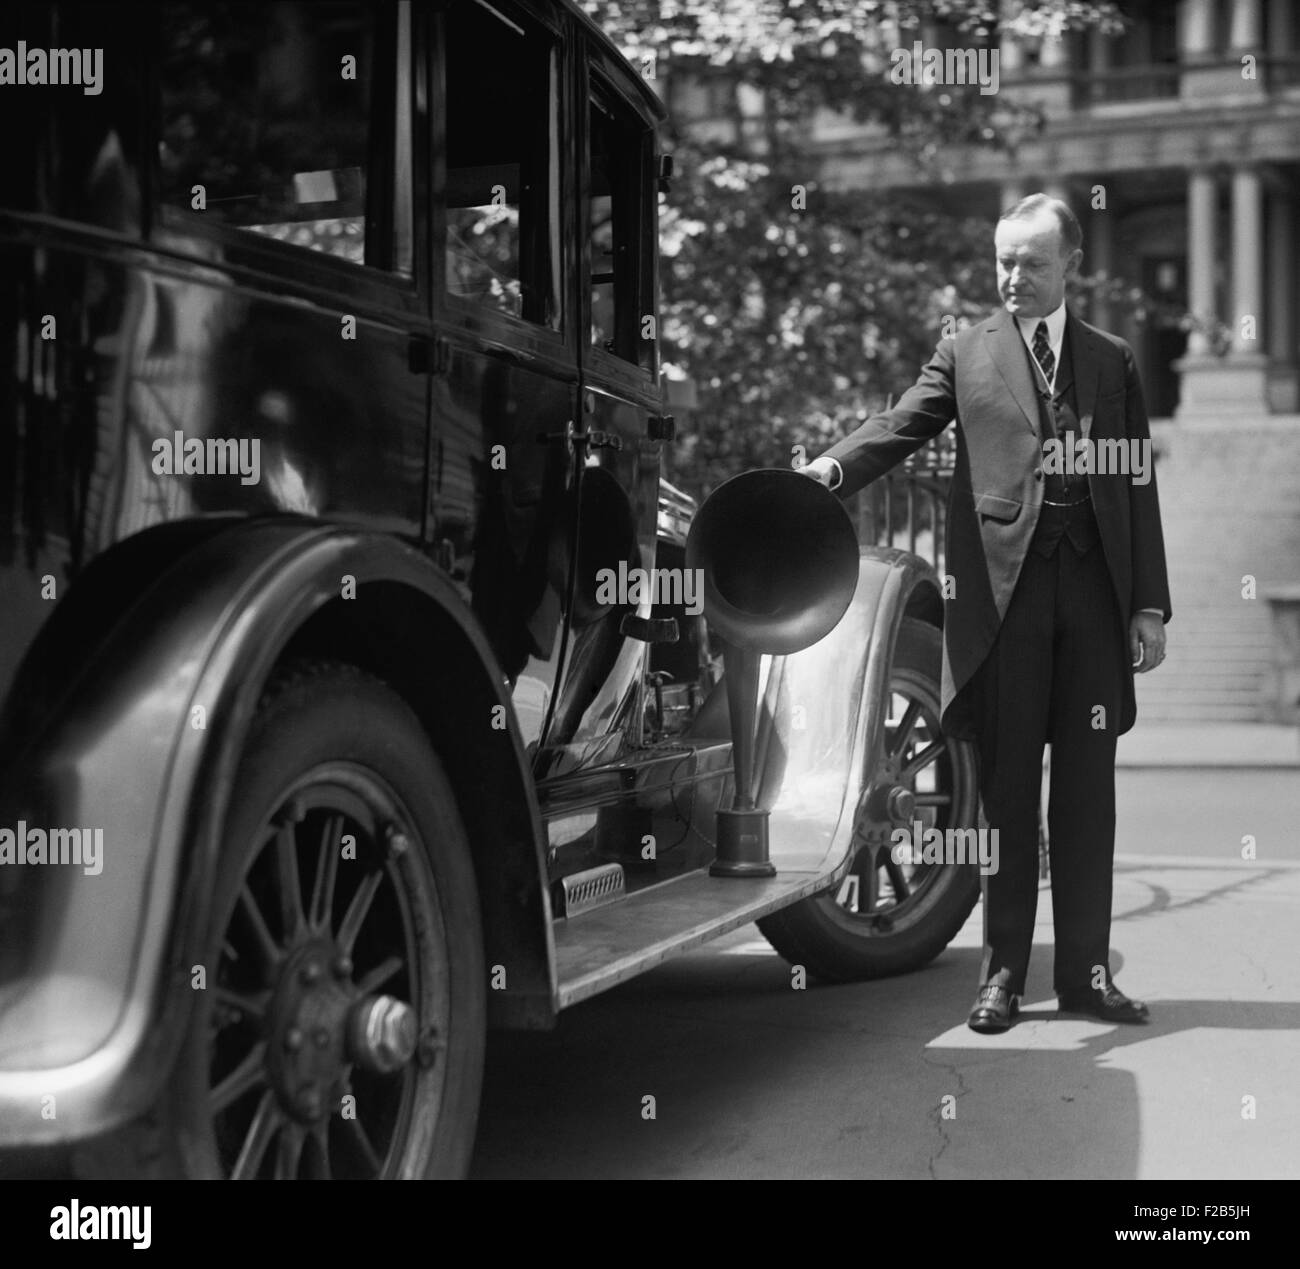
952	1068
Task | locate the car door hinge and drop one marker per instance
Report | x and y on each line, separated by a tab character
661	427
665	174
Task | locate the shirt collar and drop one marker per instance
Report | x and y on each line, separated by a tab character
1055	326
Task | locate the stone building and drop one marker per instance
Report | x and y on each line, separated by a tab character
1178	145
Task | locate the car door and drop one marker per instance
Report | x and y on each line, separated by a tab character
505	383
618	445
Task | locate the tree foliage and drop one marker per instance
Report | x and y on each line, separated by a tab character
797	309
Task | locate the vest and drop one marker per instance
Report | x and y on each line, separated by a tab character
1058	419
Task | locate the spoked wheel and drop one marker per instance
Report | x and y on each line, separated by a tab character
894	912
340	1034
331	1005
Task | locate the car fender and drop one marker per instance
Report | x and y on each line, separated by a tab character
146	748
822	723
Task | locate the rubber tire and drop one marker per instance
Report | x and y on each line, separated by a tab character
817	934
316	712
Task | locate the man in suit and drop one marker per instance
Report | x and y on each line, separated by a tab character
1058	592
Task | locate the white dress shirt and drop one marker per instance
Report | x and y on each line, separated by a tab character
1055	337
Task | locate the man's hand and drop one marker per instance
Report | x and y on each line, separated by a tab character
822	470
1146	641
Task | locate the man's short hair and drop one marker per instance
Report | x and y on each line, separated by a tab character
1028	208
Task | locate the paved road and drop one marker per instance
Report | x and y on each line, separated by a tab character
754	1079
1206	812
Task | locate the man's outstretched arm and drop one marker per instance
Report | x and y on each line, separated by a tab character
885	439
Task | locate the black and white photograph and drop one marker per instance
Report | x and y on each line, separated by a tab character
650	590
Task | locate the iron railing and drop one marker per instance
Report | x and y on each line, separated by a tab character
907	508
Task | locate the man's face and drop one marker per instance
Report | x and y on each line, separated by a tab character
1032	265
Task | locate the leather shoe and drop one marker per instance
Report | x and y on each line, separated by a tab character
1107	1003
994	1008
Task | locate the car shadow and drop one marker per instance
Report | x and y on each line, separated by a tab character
753	1076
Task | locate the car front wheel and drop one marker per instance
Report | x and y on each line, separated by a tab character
889	916
338	1024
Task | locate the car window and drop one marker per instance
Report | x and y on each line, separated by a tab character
617	230
267	115
502	153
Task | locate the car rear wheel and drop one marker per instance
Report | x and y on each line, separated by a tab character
886	916
339	1031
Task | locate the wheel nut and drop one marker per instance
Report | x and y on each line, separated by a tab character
382	1033
293	1039
902	804
293	812
342	967
309	974
398	842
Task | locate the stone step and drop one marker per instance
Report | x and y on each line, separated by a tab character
1195	712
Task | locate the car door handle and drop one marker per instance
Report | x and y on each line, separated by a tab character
592	440
650	629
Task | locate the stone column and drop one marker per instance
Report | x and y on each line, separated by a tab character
1011	60
1054	54
1246	32
1196	29
1202	226
1204	72
1199	391
1247	246
1283	374
1234	388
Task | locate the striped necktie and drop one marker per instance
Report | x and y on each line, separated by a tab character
1043	353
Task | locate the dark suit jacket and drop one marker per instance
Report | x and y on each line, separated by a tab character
982	379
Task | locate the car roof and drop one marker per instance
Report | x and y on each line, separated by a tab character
593	29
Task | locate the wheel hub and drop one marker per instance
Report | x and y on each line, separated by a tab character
306	1051
320	1027
888	803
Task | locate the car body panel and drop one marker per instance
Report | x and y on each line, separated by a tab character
112	953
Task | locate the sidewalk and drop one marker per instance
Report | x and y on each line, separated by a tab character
1210	745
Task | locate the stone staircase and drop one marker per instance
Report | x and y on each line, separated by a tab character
1230	502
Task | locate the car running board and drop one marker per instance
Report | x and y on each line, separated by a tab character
604	947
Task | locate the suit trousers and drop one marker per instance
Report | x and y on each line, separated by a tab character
1054	675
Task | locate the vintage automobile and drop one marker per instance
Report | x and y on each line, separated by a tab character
329	404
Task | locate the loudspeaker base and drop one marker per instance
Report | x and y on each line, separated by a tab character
742	845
